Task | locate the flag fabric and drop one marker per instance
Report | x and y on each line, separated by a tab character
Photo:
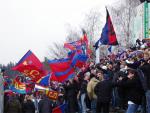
30	66
71	54
53	77
110	49
108	36
20	87
97	44
60	109
85	44
59	65
73	45
62	69
65	75
52	94
79	60
85	38
40	88
29	59
44	81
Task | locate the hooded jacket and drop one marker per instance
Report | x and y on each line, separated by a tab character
90	88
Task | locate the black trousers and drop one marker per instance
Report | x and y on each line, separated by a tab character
102	107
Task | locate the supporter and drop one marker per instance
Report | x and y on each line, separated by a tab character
45	105
145	67
103	90
90	89
134	90
13	105
82	93
71	96
28	105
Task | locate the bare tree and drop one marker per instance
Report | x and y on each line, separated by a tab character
91	25
73	34
122	17
57	49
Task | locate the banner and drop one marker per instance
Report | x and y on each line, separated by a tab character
52	94
20	87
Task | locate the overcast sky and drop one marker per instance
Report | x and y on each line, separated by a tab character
36	24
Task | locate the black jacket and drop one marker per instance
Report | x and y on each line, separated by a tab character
146	70
28	107
103	90
83	88
71	97
134	89
45	106
13	106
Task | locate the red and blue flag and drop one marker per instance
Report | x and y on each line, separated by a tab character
108	36
60	109
62	69
44	81
73	45
79	60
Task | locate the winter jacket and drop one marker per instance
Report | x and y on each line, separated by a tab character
28	107
83	88
146	70
45	106
134	89
103	90
13	106
71	97
90	88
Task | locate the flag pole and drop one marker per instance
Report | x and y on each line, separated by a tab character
97	55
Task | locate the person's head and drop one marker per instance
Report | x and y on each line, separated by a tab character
131	73
70	81
87	76
110	66
93	71
100	74
28	97
146	55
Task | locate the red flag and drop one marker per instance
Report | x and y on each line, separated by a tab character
31	66
85	38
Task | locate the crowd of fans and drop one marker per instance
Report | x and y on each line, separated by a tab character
118	83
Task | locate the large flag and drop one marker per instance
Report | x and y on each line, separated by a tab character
30	66
79	60
59	65
60	109
62	69
108	36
